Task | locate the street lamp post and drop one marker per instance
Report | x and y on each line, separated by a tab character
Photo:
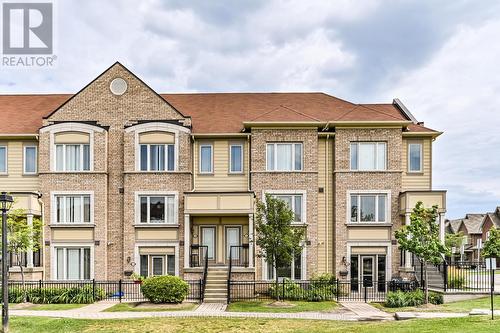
5	203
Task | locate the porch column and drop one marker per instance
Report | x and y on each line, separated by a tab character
441	228
29	253
408	265
250	240
187	239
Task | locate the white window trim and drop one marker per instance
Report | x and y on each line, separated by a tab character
174	244
64	145
71	127
376	156
6	172
156	127
165	162
289	192
231	157
303	273
388	255
137	196
24	159
275	144
54	246
421	167
362	192
202	145
53	206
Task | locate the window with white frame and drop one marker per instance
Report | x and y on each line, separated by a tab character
292	270
296	204
73	263
72	209
415	157
30	160
72	157
157	209
157	157
3	159
206	158
369	208
236	158
157	264
284	156
368	156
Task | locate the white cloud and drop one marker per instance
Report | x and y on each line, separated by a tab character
457	92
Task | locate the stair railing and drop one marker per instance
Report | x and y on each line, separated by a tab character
229	274
205	271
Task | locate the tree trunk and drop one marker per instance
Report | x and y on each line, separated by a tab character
277	286
426	285
21	268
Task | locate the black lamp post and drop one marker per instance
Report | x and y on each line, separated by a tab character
5	204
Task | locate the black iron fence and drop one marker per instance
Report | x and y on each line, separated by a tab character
467	276
88	291
316	290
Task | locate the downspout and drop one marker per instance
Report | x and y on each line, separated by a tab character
249	163
326	200
193	183
42	211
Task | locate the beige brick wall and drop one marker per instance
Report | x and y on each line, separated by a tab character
307	179
345	180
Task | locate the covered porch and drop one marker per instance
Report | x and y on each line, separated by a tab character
218	229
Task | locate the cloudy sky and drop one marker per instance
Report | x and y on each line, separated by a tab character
441	58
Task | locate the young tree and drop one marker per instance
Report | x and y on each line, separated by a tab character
22	237
491	247
421	238
276	239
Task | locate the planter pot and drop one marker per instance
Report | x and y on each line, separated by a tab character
138	282
343	273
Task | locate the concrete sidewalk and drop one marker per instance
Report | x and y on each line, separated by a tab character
366	311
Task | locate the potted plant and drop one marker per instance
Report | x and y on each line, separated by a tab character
138	279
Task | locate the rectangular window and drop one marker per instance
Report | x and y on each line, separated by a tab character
157	157
30	160
369	208
72	209
73	263
157	209
3	159
291	271
154	264
284	156
72	157
206	159
368	156
236	159
295	202
415	157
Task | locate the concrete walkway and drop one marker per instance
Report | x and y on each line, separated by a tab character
211	308
365	310
95	307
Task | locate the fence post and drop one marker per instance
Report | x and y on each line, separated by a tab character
283	289
338	291
120	290
93	289
200	284
40	284
366	296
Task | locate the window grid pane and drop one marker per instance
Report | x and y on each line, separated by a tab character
206	159
144	157
367	208
3	159
354	156
171	157
270	156
381	208
29	160
157	210
415	156
59	158
354	208
284	157
236	159
381	156
298	156
86	157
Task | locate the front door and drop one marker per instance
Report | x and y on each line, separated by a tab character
158	265
367	270
208	240
233	238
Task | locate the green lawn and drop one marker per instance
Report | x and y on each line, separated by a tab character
460	306
299	306
47	307
133	307
476	324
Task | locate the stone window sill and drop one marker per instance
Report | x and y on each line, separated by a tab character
72	225
368	224
156	225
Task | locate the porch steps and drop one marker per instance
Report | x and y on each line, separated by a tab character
216	288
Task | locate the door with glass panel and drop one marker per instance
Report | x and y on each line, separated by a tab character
208	240
367	270
158	265
233	238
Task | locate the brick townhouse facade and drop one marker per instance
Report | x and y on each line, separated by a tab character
128	180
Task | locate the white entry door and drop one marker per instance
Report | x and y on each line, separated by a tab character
208	240
233	238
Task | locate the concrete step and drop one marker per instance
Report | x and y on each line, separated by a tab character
214	300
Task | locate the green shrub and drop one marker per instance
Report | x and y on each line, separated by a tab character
322	287
56	295
165	289
290	290
399	299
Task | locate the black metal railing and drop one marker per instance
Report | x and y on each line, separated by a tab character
316	290
198	255
205	272
92	290
239	255
467	276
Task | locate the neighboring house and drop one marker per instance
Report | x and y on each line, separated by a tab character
130	180
475	228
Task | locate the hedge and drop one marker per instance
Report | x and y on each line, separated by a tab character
165	289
